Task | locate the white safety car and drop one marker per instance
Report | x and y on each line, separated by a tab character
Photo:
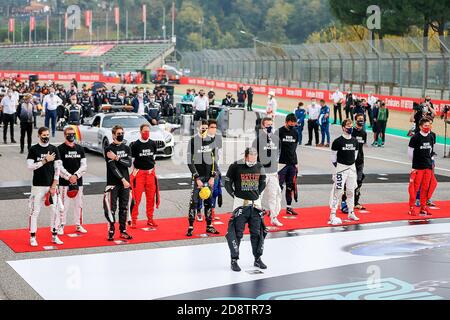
95	133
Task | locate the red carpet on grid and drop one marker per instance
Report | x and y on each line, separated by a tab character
171	229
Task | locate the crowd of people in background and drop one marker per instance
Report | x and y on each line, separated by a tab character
22	102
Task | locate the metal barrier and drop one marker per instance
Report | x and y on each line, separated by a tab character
401	67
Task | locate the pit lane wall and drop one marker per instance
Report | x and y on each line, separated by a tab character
59	76
404	104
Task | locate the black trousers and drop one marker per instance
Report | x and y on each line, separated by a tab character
8	119
348	113
313	126
26	128
200	115
359	180
114	194
337	109
195	199
236	227
249	104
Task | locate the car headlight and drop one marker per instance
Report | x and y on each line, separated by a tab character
168	139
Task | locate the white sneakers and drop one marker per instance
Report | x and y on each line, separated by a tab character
335	221
56	240
81	229
33	242
353	217
275	222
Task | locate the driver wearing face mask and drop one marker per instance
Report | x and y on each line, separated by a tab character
245	181
45	163
143	177
267	145
118	160
288	162
202	163
344	156
74	166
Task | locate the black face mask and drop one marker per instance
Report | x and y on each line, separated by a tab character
120	137
291	127
45	140
360	123
269	129
70	137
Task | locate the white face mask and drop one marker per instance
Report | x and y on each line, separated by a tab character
250	164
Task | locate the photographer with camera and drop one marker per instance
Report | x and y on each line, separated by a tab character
420	111
444	116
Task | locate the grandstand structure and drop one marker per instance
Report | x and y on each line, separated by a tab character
98	57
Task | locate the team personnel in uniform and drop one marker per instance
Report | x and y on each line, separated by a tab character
272	106
245	181
202	162
44	160
51	103
287	164
313	112
74	166
9	108
343	157
361	135
420	152
73	112
338	98
267	145
118	160
25	113
300	114
200	106
143	177
87	105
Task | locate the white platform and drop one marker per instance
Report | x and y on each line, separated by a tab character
158	273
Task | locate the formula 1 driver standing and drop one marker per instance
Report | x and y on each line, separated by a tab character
118	160
245	181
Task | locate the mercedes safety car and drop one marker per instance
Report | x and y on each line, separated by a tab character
95	133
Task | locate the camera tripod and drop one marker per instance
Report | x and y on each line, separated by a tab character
446	122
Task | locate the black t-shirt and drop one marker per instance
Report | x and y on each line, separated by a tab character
202	156
361	137
71	161
423	148
118	168
43	177
346	149
144	154
288	145
267	147
248	182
